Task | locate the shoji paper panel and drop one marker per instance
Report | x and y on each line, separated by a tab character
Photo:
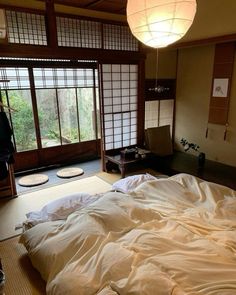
120	105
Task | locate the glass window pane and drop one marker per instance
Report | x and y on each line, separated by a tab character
22	119
98	114
68	115
86	113
26	28
18	78
48	117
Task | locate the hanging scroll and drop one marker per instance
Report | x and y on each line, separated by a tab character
221	83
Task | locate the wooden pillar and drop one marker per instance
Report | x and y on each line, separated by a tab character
8	185
51	24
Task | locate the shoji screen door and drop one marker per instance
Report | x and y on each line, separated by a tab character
119	97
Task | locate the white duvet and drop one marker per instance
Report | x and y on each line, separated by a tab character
170	236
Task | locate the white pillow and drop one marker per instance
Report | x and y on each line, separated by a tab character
61	208
128	184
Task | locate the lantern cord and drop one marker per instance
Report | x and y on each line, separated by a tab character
156	71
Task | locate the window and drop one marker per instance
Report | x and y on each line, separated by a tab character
68	115
78	33
120	105
72	31
26	28
66	100
117	37
48	117
75	32
86	113
66	108
17	95
159	113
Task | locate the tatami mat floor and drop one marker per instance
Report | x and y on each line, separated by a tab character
21	277
13	211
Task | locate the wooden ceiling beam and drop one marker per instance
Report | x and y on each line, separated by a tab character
93	3
73	53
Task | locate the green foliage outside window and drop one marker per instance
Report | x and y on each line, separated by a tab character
86	114
22	119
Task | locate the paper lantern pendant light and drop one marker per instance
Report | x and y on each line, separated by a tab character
158	23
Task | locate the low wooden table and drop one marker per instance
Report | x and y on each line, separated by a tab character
122	162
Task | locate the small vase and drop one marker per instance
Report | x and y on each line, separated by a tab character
201	159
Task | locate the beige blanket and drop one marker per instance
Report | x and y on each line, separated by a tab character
170	236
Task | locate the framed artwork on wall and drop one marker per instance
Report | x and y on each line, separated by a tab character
220	87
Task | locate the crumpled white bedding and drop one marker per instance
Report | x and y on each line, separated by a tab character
170	236
59	209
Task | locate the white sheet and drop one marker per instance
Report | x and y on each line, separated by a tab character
128	184
59	209
170	236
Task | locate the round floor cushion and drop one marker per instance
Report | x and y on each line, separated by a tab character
70	172
33	179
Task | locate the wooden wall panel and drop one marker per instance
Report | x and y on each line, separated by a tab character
57	155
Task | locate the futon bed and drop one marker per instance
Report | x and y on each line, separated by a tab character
164	236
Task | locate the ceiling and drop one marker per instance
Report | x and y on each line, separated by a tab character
111	6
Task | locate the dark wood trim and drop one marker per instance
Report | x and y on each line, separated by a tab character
8	185
91	18
35	108
93	3
174	109
47	63
58	115
36	51
77	112
56	155
10	115
205	41
51	24
101	101
141	103
22	9
95	119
